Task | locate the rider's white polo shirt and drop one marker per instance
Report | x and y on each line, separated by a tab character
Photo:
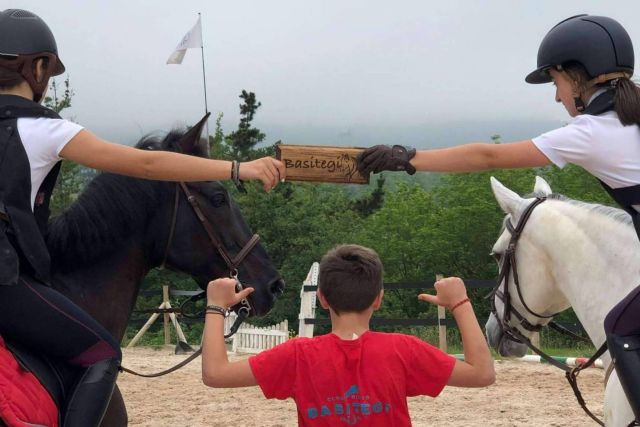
600	144
43	139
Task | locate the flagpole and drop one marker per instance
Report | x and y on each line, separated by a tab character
204	77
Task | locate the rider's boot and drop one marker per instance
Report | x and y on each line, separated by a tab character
625	353
91	396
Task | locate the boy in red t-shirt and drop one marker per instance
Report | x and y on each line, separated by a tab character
352	375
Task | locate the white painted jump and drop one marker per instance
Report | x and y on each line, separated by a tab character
571	361
252	339
308	302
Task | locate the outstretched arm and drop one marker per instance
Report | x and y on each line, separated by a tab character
217	371
477	368
480	156
463	158
89	150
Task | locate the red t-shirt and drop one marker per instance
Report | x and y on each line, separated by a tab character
363	382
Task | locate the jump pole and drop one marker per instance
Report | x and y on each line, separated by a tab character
531	358
442	328
166	318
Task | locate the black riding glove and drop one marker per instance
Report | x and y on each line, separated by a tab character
384	158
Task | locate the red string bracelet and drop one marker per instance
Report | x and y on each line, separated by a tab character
458	304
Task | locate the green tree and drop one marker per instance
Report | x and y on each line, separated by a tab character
59	103
369	203
218	147
245	138
573	181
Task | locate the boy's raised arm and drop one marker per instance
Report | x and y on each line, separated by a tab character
477	368
217	371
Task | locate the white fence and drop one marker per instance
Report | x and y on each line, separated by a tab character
308	302
252	339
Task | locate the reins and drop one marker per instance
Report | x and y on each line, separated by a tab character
242	315
244	306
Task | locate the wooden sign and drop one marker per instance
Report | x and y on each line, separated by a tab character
321	163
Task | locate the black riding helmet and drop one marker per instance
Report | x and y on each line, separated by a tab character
598	43
24	38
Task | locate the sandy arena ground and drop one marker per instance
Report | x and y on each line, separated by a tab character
525	394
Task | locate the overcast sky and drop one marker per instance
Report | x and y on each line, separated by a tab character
426	73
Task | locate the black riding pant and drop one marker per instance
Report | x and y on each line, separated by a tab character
624	317
622	326
47	322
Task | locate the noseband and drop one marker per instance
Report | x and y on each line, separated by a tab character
508	267
232	262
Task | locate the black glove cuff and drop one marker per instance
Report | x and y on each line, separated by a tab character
404	154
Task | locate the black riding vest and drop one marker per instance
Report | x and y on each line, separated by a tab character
625	196
21	230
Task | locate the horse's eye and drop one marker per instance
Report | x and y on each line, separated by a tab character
218	200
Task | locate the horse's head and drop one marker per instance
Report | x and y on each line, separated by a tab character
203	233
526	296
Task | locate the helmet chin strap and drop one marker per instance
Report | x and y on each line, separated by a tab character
602	78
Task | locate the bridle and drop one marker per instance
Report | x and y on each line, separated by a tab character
232	262
509	266
243	308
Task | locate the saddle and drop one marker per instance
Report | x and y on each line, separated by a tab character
56	378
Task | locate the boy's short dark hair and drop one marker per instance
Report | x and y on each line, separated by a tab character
350	278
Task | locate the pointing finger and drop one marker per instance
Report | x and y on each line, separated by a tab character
433	299
244	293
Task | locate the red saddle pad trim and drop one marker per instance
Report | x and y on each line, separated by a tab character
24	402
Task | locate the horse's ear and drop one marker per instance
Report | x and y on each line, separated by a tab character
542	187
193	137
509	201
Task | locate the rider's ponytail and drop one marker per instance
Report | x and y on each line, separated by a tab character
627	101
627	93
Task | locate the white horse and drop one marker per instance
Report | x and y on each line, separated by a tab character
570	254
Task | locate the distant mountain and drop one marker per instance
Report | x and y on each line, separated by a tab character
417	135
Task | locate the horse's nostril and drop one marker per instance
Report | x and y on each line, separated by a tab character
277	287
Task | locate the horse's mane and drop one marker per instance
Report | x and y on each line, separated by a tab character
108	212
616	214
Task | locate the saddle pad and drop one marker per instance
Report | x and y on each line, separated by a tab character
23	400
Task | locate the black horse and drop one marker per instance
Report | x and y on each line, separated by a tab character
120	228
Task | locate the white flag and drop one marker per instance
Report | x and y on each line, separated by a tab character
193	39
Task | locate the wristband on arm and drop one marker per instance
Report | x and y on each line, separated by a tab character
235	176
216	309
233	170
459	303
